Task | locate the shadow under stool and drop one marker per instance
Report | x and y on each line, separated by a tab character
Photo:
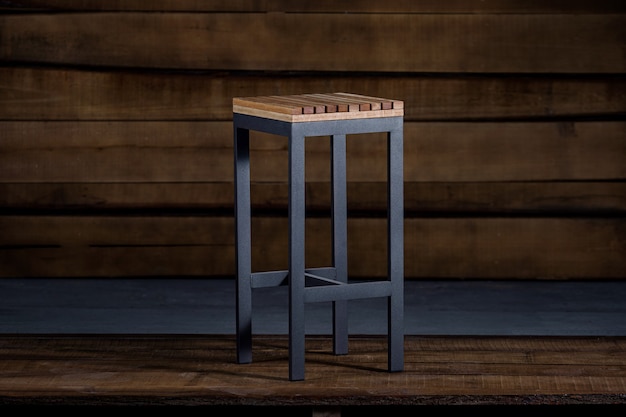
297	117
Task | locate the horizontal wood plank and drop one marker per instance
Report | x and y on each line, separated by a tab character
501	43
162	152
201	370
362	6
484	248
70	94
366	198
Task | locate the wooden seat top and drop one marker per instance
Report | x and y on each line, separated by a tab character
318	107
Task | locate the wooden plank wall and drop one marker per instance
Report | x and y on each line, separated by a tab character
116	153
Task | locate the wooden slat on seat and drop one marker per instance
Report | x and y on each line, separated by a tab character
318	107
376	103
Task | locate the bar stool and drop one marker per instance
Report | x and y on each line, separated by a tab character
297	117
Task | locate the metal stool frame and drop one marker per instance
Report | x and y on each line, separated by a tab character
326	283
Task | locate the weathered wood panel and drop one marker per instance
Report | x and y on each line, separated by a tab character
202	152
475	43
364	198
362	6
70	94
483	248
118	119
198	370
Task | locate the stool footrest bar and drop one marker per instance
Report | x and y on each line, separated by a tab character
277	278
354	291
269	279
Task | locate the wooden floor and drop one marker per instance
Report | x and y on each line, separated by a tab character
201	370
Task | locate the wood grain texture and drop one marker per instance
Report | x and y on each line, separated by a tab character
312	116
473	43
364	198
160	152
455	248
116	133
201	370
318	107
44	93
363	6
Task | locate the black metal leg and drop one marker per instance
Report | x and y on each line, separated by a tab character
242	249
296	254
395	233
339	244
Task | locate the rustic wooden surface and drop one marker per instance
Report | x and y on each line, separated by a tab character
118	370
163	245
116	117
95	93
257	41
363	6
